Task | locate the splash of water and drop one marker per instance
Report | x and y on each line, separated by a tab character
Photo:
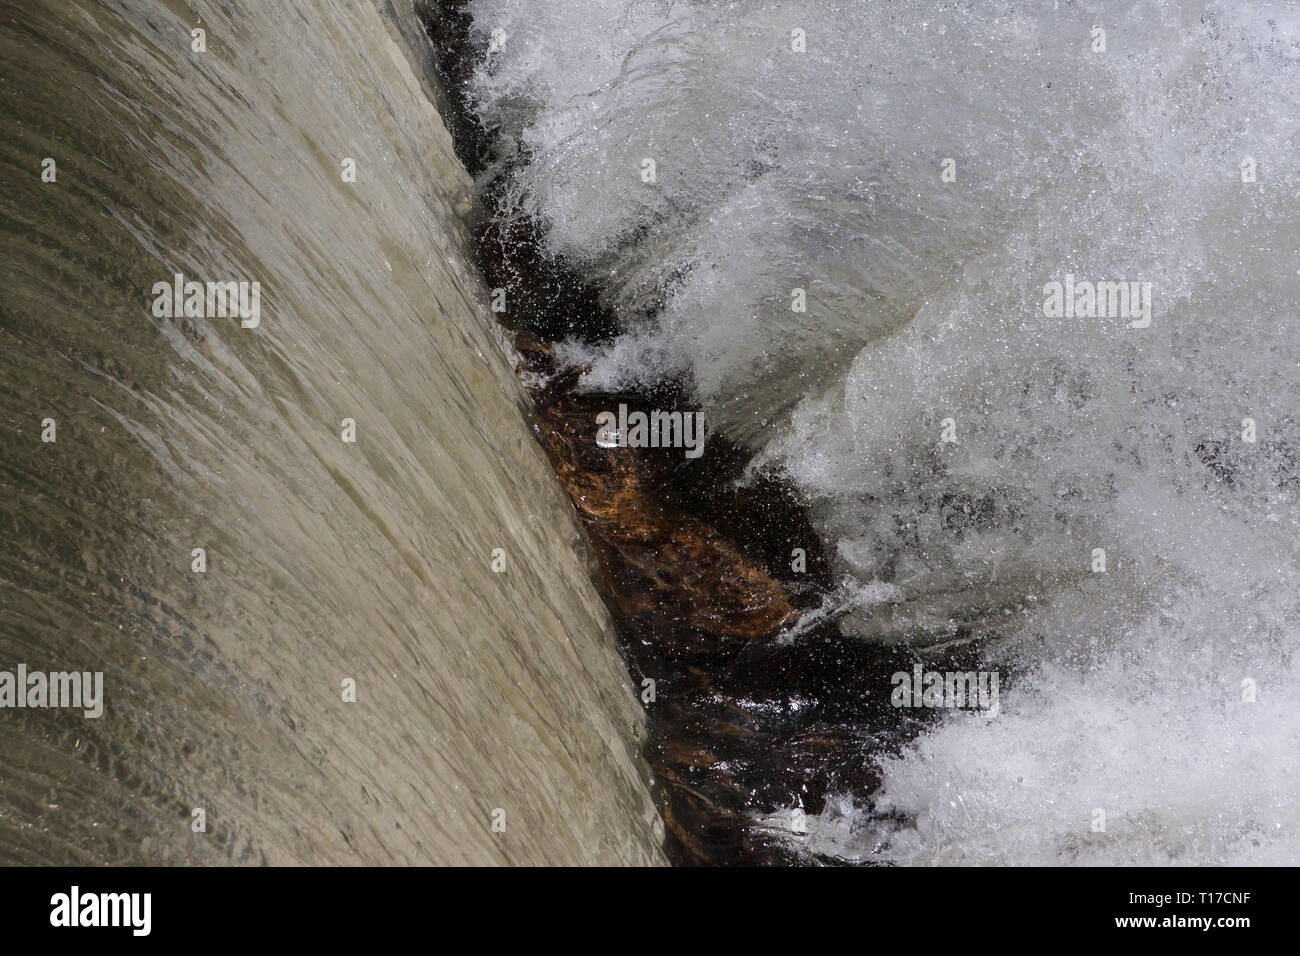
923	174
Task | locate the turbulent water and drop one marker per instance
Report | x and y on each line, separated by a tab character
919	174
492	719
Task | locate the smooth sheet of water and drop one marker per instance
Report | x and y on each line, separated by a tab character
326	560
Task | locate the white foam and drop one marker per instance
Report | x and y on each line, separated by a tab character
821	171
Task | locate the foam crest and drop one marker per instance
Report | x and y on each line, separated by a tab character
960	441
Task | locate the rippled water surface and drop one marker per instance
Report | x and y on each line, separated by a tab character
326	560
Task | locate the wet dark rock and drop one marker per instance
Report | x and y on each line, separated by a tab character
695	566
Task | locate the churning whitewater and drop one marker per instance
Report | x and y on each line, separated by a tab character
1010	290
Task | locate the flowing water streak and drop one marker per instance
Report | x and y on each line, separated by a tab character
325	560
1163	152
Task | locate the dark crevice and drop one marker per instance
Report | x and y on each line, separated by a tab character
696	567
